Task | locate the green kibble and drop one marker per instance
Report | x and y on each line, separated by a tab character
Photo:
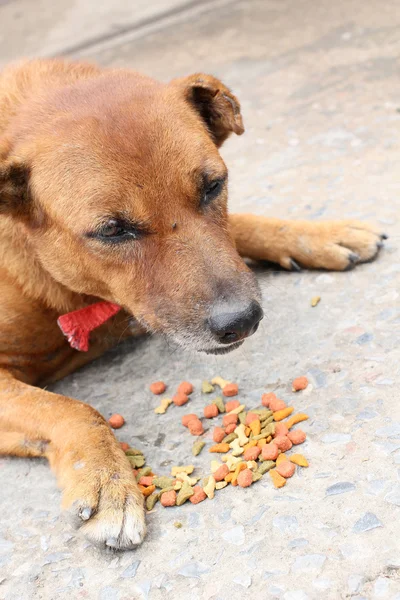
229	438
184	494
198	447
257	475
265	466
242	417
133	452
163	482
219	403
206	387
136	461
178	524
268	420
151	501
268	429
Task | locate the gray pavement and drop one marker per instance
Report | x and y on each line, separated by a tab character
319	86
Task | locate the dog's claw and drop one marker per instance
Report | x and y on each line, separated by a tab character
112	542
294	266
384	236
85	513
353	257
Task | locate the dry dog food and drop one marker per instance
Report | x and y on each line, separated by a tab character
300	383
158	387
185	388
211	411
116	421
230	389
180	399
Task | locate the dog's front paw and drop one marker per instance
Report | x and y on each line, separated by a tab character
331	245
105	502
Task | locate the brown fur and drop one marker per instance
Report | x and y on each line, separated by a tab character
79	144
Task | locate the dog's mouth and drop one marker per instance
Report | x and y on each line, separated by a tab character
223	349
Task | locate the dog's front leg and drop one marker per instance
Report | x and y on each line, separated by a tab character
332	245
99	489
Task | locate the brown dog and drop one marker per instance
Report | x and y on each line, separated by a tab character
112	187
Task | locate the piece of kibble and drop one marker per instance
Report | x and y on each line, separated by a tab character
151	501
297	418
250	417
270	451
215	465
219	403
236	448
239	467
242	437
144	472
220	382
124	446
297	436
187	418
231	405
198	496
185	493
300	383
265	466
281	429
188	469
255	427
178	524
283	442
221	473
146	480
245	478
185	388
237	410
220	448
278	404
229	429
229	419
158	387
218	434
168	498
231	389
262	442
180	399
229	438
231	461
136	461
281	458
256	476
252	453
315	300
133	452
250	444
266	399
277	479
286	468
210	487
220	485
147	491
242	417
299	459
206	387
251	464
163	482
210	411
228	478
198	447
279	415
195	426
116	421
162	409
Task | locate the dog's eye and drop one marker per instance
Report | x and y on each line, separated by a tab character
114	231
212	190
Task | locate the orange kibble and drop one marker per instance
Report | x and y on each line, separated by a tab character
198	496
147	491
279	415
220	448
281	429
146	480
262	442
231	405
180	399
252	453
247	431
187	418
255	427
277	479
300	383
195	426
124	446
229	477
116	421
286	468
250	417
297	436
270	451
268	439
298	418
221	473
239	467
230	389
230	428
267	398
281	458
168	498
158	387
185	388
229	419
245	478
218	434
250	444
283	442
299	459
211	411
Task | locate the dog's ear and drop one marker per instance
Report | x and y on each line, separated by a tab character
216	104
14	183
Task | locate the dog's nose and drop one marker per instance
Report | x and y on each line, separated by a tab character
231	323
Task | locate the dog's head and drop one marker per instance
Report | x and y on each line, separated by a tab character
123	192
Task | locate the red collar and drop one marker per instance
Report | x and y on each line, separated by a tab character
77	325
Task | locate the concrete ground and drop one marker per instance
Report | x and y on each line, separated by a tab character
319	86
